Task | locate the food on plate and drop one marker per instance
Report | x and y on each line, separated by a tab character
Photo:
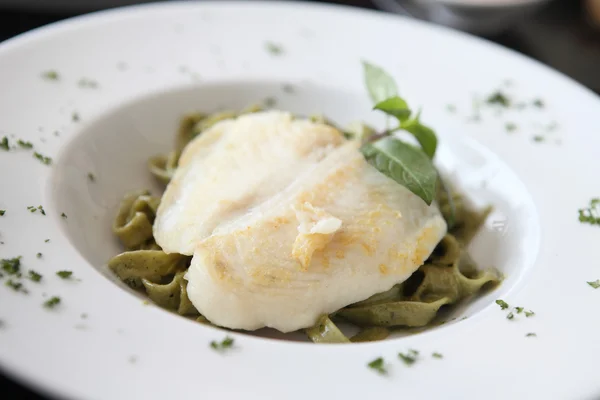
275	220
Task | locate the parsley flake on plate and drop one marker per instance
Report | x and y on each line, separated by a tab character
11	265
52	302
34	276
529	313
87	83
39	255
288	88
16	286
437	355
44	160
91	177
510	127
51	75
410	357
273	48
510	315
24	144
46	241
225	344
519	310
498	98
75	117
531	334
4	144
539	103
378	365
64	274
33	209
591	214
595	284
503	305
2	212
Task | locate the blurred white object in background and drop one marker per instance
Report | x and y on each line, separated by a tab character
484	17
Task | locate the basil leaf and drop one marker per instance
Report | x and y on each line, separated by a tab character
405	164
424	135
380	85
394	106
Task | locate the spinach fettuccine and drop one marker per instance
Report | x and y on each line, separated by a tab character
446	278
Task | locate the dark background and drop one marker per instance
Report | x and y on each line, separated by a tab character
560	36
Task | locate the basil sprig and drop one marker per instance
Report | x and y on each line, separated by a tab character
410	166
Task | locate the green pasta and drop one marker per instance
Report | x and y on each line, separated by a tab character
446	278
325	331
371	334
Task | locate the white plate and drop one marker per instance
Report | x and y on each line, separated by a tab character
155	62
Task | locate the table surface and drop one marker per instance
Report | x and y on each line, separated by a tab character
558	36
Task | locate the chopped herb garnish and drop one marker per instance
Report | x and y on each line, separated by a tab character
538	138
510	315
529	313
273	48
34	276
87	83
226	343
64	274
63	215
75	117
288	88
33	209
591	215
91	177
378	365
408	358
531	334
2	212
45	160
4	144
539	103
270	102
498	98
51	75
46	241
39	255
510	127
437	355
519	310
25	145
552	126
11	265
52	302
503	305
595	284
16	286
